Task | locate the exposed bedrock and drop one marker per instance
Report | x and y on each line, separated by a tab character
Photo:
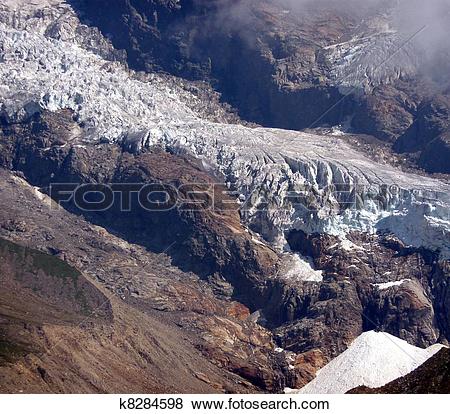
203	241
390	287
119	305
429	135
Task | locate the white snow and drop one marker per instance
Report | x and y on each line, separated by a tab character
373	359
349	245
387	285
300	269
365	62
43	66
376	53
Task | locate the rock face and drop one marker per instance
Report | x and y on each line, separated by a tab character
305	366
208	241
435	156
432	121
161	323
377	276
433	377
440	287
429	135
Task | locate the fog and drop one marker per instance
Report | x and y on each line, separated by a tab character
408	16
424	24
434	40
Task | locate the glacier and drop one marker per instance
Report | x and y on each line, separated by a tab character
368	60
285	179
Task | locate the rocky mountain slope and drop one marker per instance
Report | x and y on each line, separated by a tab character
309	244
152	324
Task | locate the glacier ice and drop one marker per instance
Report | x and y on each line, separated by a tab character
290	180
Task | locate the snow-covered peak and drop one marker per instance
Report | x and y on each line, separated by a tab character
373	359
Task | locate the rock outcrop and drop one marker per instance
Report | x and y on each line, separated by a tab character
381	283
155	326
429	135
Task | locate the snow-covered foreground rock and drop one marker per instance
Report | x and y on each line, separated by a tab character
45	66
373	359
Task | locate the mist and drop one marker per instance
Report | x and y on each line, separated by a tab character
433	41
425	25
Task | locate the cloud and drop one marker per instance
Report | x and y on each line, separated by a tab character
433	41
407	17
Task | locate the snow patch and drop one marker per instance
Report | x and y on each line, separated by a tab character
387	285
373	360
301	269
349	245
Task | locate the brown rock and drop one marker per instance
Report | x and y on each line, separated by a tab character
306	366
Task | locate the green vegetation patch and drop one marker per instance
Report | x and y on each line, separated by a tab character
10	352
35	260
31	260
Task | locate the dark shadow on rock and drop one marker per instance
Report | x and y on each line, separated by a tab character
198	40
